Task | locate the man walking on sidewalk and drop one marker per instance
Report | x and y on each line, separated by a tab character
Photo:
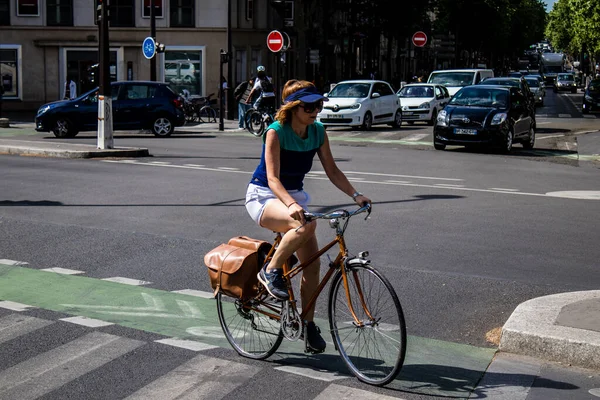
241	93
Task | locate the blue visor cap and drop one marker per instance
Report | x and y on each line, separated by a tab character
307	95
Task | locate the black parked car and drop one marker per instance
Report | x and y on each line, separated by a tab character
591	97
485	115
135	105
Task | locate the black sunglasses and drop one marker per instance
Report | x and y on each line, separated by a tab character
311	107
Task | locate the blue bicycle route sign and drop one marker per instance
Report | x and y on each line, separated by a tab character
149	47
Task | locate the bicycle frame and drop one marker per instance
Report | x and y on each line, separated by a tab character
334	265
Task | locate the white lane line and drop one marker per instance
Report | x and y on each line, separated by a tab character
449	185
15	325
543	123
229	169
48	371
564	115
541	115
505	190
589	116
563	146
186	344
85	321
201	378
350	178
175	166
340	392
393	181
11	305
193	165
63	271
159	162
127	281
13	262
403	176
314	373
416	136
197	293
538	137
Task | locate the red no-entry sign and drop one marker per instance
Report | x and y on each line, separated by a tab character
275	41
419	39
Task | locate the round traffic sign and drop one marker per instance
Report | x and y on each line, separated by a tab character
275	41
149	47
419	39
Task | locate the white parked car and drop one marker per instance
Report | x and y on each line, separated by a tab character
361	104
422	102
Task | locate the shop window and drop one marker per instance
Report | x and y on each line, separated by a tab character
122	13
4	12
10	70
59	12
182	13
183	70
158	8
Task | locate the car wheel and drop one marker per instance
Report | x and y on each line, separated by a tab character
163	127
367	121
508	141
433	118
63	128
397	119
439	146
531	142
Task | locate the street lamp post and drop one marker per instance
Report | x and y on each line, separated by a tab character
153	36
105	121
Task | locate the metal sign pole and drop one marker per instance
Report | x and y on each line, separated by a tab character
105	121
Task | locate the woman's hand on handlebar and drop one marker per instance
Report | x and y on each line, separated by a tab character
362	200
296	212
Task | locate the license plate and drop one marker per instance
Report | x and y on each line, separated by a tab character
334	116
408	113
461	131
423	116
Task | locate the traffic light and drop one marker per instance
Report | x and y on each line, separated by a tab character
101	9
224	57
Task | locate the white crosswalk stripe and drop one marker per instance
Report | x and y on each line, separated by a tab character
50	370
15	325
198	379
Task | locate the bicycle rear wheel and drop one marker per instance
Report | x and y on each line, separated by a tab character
255	123
374	351
207	114
251	333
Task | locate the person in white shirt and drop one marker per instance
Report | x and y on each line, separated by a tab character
70	89
264	84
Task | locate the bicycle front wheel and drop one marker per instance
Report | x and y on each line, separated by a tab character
207	114
374	348
255	123
248	329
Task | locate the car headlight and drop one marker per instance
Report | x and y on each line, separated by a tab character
43	109
499	118
355	106
425	105
442	118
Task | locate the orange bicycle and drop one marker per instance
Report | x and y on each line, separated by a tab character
365	317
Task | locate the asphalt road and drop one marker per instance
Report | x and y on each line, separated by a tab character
464	237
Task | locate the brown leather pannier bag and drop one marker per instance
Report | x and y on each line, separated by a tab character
232	266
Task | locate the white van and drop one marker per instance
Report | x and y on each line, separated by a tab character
455	79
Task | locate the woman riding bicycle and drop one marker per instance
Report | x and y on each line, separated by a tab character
275	197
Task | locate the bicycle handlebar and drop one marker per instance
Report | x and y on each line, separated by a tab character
309	216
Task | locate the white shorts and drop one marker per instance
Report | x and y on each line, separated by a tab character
258	196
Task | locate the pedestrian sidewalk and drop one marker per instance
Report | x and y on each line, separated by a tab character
562	327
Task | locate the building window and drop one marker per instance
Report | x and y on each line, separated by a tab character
28	8
10	70
182	13
183	69
59	12
249	9
122	13
158	8
4	12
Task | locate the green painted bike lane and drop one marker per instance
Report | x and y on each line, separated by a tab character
432	367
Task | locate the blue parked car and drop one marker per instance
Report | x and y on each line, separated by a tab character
136	105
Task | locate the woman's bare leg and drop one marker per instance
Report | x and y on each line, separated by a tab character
310	275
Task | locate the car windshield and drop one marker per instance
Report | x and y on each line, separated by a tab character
594	86
553	69
565	77
360	90
480	97
533	82
501	82
416	91
452	78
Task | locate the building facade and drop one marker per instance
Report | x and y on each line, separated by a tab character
46	43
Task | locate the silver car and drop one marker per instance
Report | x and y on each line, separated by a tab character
538	88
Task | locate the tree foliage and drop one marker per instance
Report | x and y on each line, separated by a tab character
574	25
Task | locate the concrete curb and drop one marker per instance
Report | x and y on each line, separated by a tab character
62	150
531	330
